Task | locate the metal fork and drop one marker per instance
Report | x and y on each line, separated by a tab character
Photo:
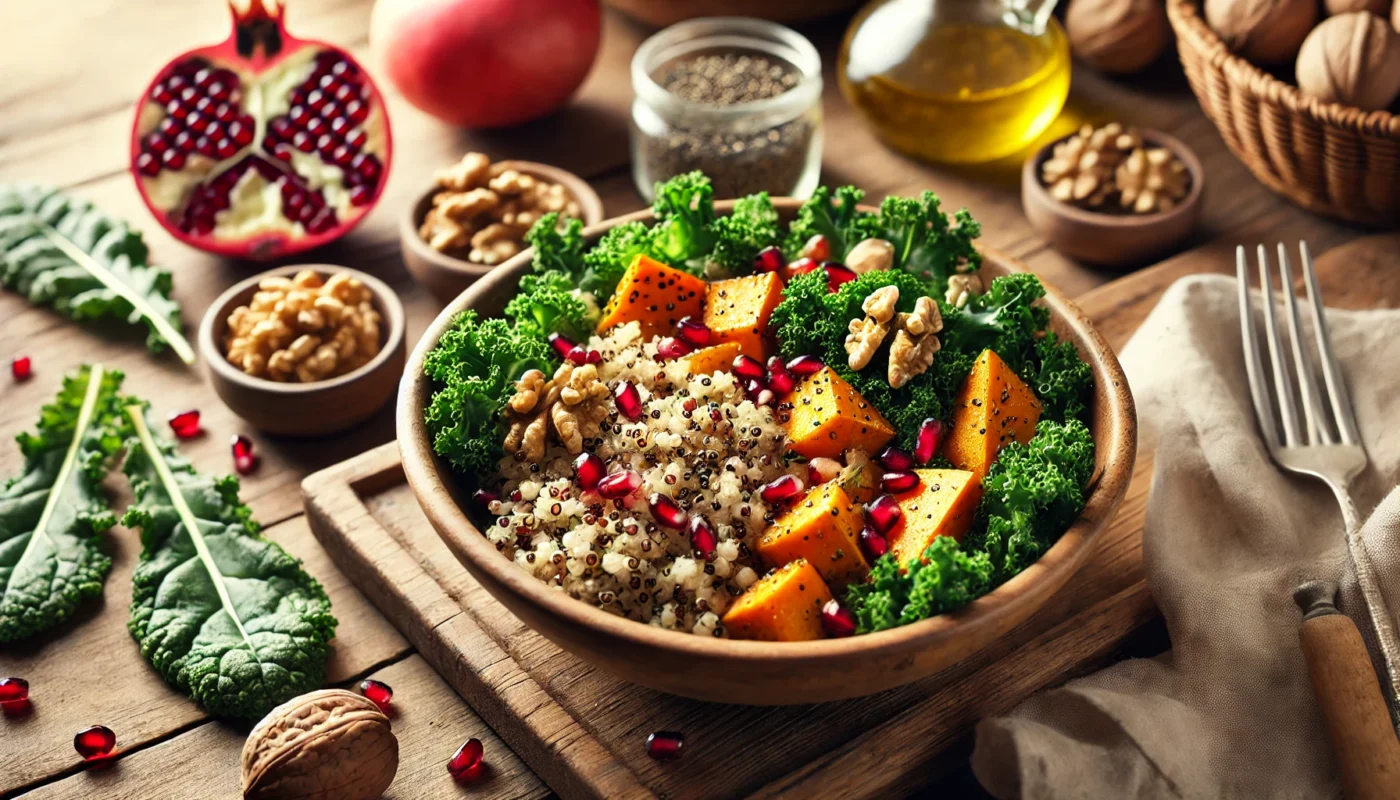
1323	442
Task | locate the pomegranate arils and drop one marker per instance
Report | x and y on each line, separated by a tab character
779	379
666	512
836	275
14	695
894	459
619	484
873	543
21	368
378	693
897	482
926	444
805	365
754	389
822	469
244	459
466	763
782	490
884	513
588	470
577	356
694	332
817	248
629	401
185	424
802	266
95	742
769	259
703	539
672	348
666	745
837	621
748	367
561	344
483	498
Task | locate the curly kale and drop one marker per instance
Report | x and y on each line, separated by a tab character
558	247
945	579
924	241
685	217
1006	319
604	264
834	215
548	303
1032	492
749	228
1063	382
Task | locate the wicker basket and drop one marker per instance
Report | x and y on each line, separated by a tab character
1335	160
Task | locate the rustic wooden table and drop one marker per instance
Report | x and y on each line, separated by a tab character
70	81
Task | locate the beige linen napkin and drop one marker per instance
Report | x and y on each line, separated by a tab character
1229	712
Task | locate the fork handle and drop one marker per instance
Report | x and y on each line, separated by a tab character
1353	710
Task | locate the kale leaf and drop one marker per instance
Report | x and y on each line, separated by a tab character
1006	319
223	614
925	243
59	250
684	233
834	215
547	303
1063	382
945	579
52	515
748	229
558	246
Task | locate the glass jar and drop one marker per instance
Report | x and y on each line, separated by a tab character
709	119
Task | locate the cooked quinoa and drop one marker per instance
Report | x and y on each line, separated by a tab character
700	442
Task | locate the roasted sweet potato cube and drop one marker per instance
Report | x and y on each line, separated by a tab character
737	310
715	358
994	407
824	529
784	606
829	416
943	504
654	296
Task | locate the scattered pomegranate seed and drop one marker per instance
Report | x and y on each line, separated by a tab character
873	543
667	513
753	387
185	424
21	368
837	621
588	470
822	469
619	484
801	266
378	692
805	365
884	513
14	695
895	460
561	344
670	348
244	460
748	367
483	498
629	401
466	764
694	332
817	248
897	482
577	356
926	445
702	538
779	379
786	488
666	745
769	259
837	274
595	357
94	743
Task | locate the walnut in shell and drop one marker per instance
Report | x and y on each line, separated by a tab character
325	745
1118	37
1263	31
1351	58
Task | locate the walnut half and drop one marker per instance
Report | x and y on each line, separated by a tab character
865	335
324	744
572	405
915	342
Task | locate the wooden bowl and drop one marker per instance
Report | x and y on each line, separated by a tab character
767	673
1111	240
661	13
446	276
305	409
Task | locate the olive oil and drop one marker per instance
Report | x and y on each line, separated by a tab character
954	83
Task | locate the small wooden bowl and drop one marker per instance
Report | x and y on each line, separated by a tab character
306	409
1111	240
447	276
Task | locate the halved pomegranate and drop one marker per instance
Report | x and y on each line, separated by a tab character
263	145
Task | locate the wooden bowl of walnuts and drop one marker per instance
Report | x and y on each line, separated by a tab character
305	350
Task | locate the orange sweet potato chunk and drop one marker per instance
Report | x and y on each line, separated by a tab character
829	416
654	296
715	358
737	310
784	606
943	504
994	407
823	529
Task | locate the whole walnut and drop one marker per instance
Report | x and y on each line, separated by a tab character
324	745
1380	8
1263	31
1353	59
1118	37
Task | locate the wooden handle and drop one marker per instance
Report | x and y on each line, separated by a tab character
1358	722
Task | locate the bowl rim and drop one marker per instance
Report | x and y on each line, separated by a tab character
1114	457
589	203
385	299
1030	182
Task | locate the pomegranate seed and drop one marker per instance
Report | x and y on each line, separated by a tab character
702	538
672	348
786	488
302	141
244	459
341	155
95	742
629	401
155	143
666	745
926	445
899	481
356	111
161	94
224	112
769	259
872	543
239	132
357	138
895	460
225	148
817	248
378	692
367	165
667	513
281	127
801	266
483	498
836	275
21	368
754	387
204	146
694	332
561	344
467	762
779	379
316	100
595	357
821	469
577	356
185	424
184	140
805	365
14	695
838	622
765	397
588	470
169	127
884	513
173	159
148	164
204	77
360	196
316	126
747	367
340	125
619	484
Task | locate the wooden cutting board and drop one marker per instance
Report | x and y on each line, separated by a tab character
583	731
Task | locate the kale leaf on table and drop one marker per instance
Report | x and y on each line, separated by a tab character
223	614
52	515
